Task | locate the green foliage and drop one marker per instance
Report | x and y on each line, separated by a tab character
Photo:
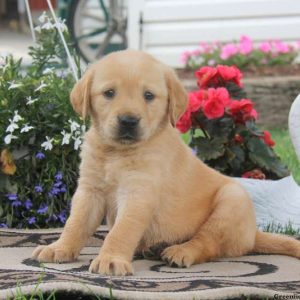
282	229
285	150
221	150
39	135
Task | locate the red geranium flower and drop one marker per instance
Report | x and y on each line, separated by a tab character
242	110
253	115
240	106
230	74
268	139
219	76
238	138
215	104
213	109
207	76
255	174
185	122
195	100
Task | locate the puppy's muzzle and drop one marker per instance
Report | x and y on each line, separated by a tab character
128	128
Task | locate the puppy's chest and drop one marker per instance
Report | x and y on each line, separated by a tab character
115	169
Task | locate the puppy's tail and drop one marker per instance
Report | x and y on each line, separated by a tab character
271	243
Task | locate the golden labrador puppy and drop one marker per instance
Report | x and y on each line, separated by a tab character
137	172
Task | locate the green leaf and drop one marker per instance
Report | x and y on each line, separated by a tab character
219	128
209	149
251	126
239	152
9	220
235	91
238	160
265	157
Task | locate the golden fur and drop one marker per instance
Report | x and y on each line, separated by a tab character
152	190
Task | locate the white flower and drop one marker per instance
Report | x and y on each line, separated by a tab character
26	128
61	25
199	59
83	128
38	29
43	17
47	145
8	138
48	26
14	85
62	73
17	117
66	138
30	100
2	61
41	86
77	142
73	125
211	62
12	126
48	71
77	133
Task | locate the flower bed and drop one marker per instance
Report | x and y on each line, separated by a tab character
40	136
222	120
243	54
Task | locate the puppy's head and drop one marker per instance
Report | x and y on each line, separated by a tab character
130	97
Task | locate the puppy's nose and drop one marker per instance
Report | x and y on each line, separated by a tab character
128	121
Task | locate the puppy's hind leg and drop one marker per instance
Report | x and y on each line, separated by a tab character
229	231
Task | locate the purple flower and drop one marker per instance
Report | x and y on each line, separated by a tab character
54	192
38	188
15	200
50	106
28	204
63	189
194	151
57	184
43	208
12	197
31	220
51	218
62	216
40	155
16	203
3	225
58	176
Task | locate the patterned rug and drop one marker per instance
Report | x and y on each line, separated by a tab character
256	275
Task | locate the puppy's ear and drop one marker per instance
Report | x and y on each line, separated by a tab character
80	95
177	94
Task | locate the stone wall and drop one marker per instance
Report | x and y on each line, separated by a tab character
272	96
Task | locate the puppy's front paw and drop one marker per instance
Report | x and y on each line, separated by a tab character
111	265
178	256
53	254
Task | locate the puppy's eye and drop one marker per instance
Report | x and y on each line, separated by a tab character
148	96
109	94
